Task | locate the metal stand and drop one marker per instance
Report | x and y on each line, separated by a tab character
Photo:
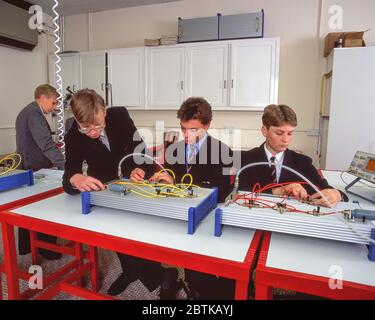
356	194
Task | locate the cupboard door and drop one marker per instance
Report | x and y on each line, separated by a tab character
207	74
126	77
165	77
69	72
254	73
92	71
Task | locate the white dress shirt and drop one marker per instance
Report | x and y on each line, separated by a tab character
278	161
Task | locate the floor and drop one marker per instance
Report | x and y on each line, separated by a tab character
110	269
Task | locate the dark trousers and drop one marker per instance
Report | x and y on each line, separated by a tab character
210	287
24	240
150	273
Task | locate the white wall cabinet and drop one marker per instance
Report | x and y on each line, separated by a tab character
92	71
70	72
80	70
126	68
231	75
207	73
165	77
254	73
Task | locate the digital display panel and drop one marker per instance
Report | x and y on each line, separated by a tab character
370	165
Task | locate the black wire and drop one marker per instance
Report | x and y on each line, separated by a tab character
342	179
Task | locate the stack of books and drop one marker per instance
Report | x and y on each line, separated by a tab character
152	42
168	39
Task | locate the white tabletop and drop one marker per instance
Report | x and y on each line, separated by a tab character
325	258
65	209
51	180
321	258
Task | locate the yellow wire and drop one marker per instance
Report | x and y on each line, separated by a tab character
183	178
146	193
168	170
176	190
15	163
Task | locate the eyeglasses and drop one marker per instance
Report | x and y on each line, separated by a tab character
88	130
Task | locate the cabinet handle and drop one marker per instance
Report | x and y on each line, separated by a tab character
182	85
102	86
232	84
225	84
257	24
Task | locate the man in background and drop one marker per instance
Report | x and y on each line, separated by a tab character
38	150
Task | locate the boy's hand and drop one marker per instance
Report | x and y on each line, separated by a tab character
86	183
163	177
137	175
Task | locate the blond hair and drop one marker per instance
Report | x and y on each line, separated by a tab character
45	90
278	115
86	104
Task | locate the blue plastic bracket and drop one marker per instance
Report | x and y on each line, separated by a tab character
86	206
218	222
191	221
197	214
371	251
15	180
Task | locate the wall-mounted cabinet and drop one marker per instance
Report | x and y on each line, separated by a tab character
165	73
79	70
92	71
207	72
254	73
231	75
126	77
70	72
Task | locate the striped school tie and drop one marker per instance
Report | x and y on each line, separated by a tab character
273	170
192	149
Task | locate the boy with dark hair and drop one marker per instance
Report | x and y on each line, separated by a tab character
208	160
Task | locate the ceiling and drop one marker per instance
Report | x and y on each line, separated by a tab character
70	7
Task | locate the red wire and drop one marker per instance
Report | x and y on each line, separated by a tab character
257	189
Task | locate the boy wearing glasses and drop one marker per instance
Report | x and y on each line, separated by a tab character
102	137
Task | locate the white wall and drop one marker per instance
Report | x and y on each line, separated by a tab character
301	25
20	73
299	51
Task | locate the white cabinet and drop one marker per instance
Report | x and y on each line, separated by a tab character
165	77
207	72
92	71
126	77
79	70
230	75
254	73
70	72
